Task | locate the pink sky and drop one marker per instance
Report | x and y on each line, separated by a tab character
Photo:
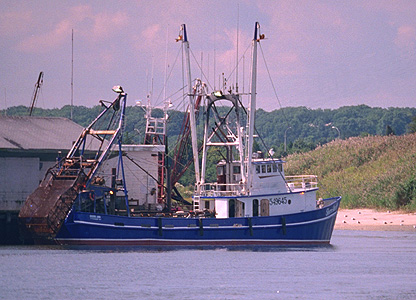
320	54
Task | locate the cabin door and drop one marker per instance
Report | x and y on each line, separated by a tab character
235	208
264	205
221	177
255	208
239	209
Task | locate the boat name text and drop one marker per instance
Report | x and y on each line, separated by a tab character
280	201
330	210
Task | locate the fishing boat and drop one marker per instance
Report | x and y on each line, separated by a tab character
251	202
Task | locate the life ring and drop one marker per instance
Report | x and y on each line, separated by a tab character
91	196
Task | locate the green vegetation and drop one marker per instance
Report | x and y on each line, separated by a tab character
366	155
305	128
373	172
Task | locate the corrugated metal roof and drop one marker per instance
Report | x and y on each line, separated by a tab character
37	133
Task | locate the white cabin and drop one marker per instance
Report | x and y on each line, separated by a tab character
271	193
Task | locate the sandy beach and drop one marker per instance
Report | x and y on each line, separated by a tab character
368	219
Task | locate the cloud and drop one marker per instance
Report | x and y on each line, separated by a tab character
47	41
396	8
339	48
151	34
301	35
90	25
15	23
406	39
106	25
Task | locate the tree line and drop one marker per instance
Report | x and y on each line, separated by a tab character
282	132
302	128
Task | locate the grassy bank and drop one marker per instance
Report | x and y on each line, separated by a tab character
373	172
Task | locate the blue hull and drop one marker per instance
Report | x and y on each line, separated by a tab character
314	227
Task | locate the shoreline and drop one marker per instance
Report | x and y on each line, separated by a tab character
368	219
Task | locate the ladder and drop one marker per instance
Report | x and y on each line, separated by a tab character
196	203
155	126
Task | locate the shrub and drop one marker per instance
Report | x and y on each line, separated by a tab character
405	193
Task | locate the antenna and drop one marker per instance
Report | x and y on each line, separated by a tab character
238	31
202	61
152	79
244	61
215	56
208	61
72	74
5	101
166	63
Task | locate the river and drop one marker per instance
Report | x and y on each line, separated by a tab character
357	265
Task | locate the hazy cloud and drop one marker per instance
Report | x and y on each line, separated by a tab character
319	53
406	40
46	42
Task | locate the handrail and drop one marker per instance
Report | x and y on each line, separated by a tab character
221	189
294	183
302	182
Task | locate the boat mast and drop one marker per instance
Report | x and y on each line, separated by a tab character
184	39
252	108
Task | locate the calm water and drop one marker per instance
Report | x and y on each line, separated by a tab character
358	265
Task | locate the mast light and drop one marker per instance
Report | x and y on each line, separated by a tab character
218	94
118	89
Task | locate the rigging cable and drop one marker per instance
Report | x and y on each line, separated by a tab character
271	81
236	67
168	77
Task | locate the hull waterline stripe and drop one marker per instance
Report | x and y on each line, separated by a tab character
184	242
207	227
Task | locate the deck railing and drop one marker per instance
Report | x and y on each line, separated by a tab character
221	189
302	182
295	184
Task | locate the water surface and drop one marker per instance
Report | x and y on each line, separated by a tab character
357	265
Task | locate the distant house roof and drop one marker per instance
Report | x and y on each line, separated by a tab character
27	133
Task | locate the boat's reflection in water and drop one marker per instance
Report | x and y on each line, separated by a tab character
240	248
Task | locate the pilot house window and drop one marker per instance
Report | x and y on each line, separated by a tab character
255	208
268	168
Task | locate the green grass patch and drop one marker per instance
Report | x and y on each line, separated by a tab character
368	172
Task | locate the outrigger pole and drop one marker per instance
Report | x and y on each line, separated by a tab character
252	108
184	38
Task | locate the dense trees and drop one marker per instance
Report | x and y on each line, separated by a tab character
359	169
304	128
412	126
308	127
